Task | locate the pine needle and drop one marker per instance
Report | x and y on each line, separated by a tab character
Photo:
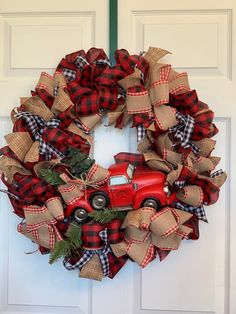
66	247
74	235
106	216
61	249
51	177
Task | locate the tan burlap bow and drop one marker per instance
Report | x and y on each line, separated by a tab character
167	160
40	223
162	81
63	101
9	167
146	229
21	143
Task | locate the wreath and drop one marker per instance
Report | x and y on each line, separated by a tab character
144	204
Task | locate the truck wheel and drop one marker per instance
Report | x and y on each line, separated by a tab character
152	202
80	215
99	200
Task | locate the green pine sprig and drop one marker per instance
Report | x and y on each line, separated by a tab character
74	234
61	249
107	215
51	176
78	162
67	247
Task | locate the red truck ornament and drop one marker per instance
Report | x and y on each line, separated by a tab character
128	187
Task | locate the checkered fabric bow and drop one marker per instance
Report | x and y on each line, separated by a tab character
88	254
147	230
92	82
210	190
198	211
189	104
183	131
36	125
40	222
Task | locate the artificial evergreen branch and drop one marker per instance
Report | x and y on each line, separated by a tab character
51	176
107	215
78	162
61	249
74	234
68	246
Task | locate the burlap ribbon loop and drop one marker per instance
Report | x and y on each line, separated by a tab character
206	146
165	147
191	195
152	95
218	178
19	143
138	102
156	162
56	86
36	106
22	144
165	117
178	82
159	90
146	230
50	83
90	122
9	167
40	223
202	164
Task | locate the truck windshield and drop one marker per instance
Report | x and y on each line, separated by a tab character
130	170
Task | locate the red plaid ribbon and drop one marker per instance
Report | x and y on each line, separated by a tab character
210	190
29	190
188	104
134	159
93	84
94	242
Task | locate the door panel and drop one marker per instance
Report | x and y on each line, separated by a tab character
196	278
34	36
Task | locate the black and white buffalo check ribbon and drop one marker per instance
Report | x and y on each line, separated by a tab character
180	184
88	254
217	173
69	74
36	125
183	131
198	211
141	132
81	62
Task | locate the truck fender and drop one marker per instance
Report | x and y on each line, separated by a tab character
155	191
82	202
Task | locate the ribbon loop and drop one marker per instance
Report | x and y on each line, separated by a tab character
36	125
147	231
184	130
40	223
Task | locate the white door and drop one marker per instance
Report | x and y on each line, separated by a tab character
196	279
34	36
200	277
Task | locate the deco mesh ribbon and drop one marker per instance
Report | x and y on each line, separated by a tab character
174	134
